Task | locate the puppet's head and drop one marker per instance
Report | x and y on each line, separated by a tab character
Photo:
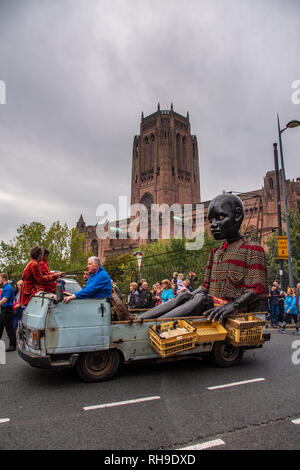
225	215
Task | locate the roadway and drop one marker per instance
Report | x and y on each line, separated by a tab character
187	404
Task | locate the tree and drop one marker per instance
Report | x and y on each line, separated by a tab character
119	269
67	248
78	256
58	241
272	253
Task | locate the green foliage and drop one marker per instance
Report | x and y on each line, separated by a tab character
67	248
58	240
272	253
119	268
78	257
295	241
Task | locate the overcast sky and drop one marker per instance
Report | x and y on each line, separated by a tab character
78	74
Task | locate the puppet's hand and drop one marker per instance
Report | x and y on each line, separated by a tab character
219	313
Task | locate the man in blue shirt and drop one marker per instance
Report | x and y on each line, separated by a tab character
98	284
7	313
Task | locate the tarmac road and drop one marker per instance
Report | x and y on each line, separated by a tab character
157	407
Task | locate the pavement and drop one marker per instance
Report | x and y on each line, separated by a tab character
169	406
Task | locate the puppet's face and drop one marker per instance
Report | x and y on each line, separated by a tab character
224	218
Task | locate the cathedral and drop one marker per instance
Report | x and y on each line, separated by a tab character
165	170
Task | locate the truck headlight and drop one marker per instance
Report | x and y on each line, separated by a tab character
33	338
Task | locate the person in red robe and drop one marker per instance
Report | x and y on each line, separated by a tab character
33	278
51	286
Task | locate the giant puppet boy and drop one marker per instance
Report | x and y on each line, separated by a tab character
235	275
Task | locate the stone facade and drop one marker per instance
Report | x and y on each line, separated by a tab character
165	170
165	164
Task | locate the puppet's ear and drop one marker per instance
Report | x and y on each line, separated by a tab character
239	215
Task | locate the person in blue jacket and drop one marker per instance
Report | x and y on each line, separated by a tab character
167	292
290	308
7	313
98	285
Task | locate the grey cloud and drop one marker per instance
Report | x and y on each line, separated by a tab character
79	73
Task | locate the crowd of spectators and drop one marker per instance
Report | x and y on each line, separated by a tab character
141	297
284	307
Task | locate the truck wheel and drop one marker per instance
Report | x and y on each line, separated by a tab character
226	355
98	366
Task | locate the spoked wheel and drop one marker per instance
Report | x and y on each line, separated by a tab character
226	355
98	366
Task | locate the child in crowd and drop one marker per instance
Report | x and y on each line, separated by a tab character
290	309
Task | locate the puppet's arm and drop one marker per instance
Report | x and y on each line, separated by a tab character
219	313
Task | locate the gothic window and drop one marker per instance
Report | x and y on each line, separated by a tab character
146	153
152	150
178	151
135	159
184	152
147	200
271	183
195	161
95	248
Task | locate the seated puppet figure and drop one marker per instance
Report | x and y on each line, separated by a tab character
235	275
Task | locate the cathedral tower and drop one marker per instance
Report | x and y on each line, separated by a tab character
165	165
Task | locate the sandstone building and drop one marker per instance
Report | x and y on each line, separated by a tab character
165	170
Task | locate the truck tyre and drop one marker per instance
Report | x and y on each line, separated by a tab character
97	366
226	355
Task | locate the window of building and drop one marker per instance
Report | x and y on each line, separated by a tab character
178	151
147	200
152	150
184	152
146	154
95	247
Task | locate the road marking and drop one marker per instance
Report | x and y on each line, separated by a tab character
233	384
4	420
296	421
120	403
204	445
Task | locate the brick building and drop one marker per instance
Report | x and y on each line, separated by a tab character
165	170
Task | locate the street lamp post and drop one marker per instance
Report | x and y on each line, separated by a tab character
278	211
139	256
289	125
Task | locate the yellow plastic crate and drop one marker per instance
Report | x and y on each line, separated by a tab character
245	330
245	321
210	331
170	346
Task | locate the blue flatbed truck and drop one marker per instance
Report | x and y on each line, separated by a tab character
81	334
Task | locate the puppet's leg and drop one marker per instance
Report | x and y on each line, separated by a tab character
164	308
199	290
196	306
